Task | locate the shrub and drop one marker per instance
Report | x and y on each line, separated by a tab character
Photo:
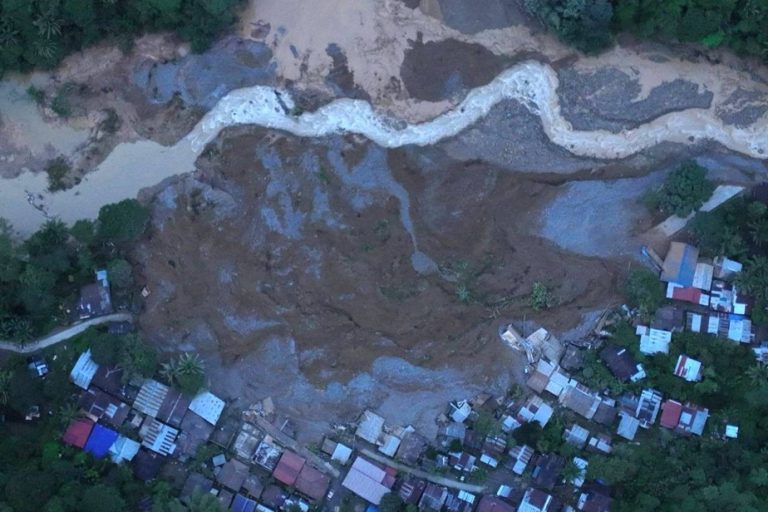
541	298
644	291
585	25
57	169
684	191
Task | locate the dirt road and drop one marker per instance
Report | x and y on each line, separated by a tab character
63	335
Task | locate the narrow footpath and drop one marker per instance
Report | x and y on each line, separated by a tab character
62	335
436	479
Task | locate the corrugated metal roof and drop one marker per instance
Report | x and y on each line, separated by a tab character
208	406
158	437
84	370
360	481
150	398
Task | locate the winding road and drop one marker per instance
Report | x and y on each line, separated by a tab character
62	335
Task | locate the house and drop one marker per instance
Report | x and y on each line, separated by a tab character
680	264
726	269
490	503
312	483
648	407
606	412
580	400
670	413
600	443
110	380
726	298
195	432
289	467
267	454
368	480
576	435
123	449
519	457
669	318
447	433
535	409
370	427
540	375
535	500
581	464
147	465
593	501
243	504
84	370
653	341
100	441
462	461
621	363
246	442
628	426
547	469
341	454
232	475
158	437
573	359
77	432
208	406
194	485
97	405
389	444
459	501
95	299
689	294
460	411
688	368
433	497
411	448
274	497
253	486
734	327
692	420
411	490
161	402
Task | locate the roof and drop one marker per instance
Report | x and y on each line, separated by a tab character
621	363
208	406
433	497
366	480
150	398
341	453
670	413
123	449
110	380
312	483
725	268
273	496
580	400
732	431
287	470
94	301
606	412
267	454
535	500
173	408
232	474
576	435
101	406
460	411
668	318
370	426
196	484
540	377
535	409
77	433
653	341
389	445
547	470
692	419
243	504
702	276
147	465
591	501
521	456
412	489
601	443
688	368
84	370
100	441
158	436
411	448
627	426
680	264
687	294
195	431
253	485
648	407
494	504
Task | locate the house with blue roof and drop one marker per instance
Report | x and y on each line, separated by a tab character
100	441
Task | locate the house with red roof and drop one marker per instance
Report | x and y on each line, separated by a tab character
78	432
670	413
288	468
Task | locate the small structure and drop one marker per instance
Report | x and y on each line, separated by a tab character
195	432
208	406
289	467
621	363
628	426
123	449
246	442
312	483
576	435
726	298
731	431
161	402
688	368
267	454
581	464
389	445
368	480
370	427
535	500
547	469
593	501
84	370
38	366
519	457
669	318
274	497
411	490
100	441
692	420
451	431
78	432
462	461
670	413
573	359
433	497
232	475
411	448
726	269
95	299
98	405
158	437
534	409
648	407
600	443
653	341
460	411
537	345
341	454
580	400
253	485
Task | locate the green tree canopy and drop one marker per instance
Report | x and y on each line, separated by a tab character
585	25
122	222
644	291
684	191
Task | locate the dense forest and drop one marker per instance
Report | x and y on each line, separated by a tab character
741	25
39	33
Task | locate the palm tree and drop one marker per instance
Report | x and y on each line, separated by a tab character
48	25
190	364
67	413
169	371
757	375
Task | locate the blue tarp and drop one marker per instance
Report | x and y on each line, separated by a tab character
243	504
687	266
100	441
372	508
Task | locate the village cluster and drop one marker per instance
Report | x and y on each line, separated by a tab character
251	462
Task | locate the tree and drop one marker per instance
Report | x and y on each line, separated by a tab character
754	277
29	489
390	502
120	273
102	497
486	424
186	372
586	25
106	349
684	191
122	222
644	291
84	231
37	291
528	433
137	358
